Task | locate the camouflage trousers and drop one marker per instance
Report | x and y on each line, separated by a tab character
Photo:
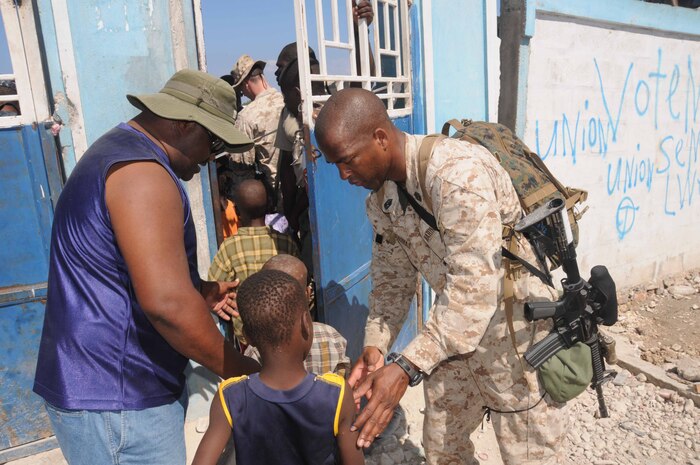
493	376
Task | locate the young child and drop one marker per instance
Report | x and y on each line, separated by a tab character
327	352
254	243
282	415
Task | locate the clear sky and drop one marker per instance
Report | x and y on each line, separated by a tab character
259	28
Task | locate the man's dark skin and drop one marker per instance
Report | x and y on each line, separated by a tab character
147	216
367	151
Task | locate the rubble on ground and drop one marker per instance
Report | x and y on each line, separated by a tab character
648	425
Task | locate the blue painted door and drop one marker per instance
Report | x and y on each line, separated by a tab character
27	161
453	74
30	181
342	240
342	235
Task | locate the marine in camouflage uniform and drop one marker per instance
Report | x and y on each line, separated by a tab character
259	120
465	348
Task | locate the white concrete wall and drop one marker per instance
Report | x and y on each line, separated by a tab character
617	112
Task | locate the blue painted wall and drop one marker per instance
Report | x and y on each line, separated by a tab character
459	59
21	410
120	47
622	13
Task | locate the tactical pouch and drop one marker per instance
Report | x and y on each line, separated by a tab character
567	373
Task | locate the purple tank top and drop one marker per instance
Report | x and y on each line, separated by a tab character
98	350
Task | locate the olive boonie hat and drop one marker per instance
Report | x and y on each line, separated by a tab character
197	96
243	67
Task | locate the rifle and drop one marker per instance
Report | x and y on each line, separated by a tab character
584	304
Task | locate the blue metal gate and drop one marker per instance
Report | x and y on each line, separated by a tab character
83	57
452	74
342	235
29	180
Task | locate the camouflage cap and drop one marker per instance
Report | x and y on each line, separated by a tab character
243	67
191	95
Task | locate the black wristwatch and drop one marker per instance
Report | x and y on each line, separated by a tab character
414	376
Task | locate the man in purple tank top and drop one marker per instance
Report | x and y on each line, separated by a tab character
126	307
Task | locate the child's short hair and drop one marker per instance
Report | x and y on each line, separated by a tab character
251	198
269	302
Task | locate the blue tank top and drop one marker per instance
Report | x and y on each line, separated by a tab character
294	427
98	350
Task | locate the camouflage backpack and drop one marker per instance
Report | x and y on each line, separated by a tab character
533	182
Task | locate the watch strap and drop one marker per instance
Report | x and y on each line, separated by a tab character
414	376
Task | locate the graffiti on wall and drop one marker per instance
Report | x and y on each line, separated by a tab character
645	130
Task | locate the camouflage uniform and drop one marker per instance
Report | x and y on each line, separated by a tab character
258	118
465	347
289	139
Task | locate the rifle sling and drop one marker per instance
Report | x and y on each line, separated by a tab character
422	212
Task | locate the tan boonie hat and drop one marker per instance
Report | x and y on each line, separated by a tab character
243	67
197	96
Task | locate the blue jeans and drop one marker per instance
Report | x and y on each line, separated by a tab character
153	436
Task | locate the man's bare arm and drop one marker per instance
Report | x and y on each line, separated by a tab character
147	217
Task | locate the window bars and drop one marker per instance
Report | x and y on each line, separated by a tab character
386	41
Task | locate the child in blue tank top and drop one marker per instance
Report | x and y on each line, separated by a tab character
282	415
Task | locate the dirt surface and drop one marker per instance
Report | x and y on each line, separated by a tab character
663	319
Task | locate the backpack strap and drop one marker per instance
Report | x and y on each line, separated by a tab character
430	220
508	253
455	123
425	151
538	195
508	290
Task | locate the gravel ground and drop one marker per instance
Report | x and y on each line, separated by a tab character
647	426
